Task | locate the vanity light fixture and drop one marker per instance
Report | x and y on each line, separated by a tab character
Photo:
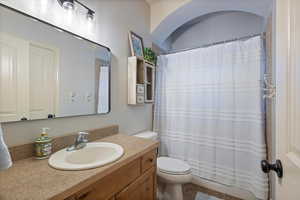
67	4
70	5
90	15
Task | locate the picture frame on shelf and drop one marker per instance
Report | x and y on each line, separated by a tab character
136	45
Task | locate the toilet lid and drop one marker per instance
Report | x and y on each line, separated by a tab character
172	166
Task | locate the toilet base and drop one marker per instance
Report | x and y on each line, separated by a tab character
169	191
170	184
173	192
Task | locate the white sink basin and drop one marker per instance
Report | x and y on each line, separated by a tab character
94	155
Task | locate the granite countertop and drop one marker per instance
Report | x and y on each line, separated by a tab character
31	179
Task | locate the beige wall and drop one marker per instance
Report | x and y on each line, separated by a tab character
160	9
113	20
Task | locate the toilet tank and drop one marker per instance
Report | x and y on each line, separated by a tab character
148	135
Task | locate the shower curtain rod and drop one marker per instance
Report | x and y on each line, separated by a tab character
216	43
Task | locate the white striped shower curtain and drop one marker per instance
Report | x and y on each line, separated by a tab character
209	112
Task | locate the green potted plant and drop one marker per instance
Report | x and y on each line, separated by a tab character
149	55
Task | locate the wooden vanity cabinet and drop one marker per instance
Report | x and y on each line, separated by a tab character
134	181
141	189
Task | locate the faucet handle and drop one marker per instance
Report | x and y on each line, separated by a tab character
80	141
82	136
83	133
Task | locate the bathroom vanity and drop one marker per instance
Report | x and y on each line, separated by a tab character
132	177
134	181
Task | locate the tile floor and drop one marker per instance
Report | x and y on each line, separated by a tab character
190	191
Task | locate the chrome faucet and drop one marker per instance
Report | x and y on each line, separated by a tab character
80	142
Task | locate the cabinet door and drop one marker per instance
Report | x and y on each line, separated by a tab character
141	189
149	82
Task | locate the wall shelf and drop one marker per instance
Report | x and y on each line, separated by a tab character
141	81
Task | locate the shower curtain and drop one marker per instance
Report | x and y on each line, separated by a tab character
209	111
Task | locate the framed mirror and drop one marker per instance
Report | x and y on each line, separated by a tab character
47	72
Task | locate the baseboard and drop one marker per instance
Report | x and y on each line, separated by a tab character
232	191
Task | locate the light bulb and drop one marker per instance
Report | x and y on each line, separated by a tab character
90	15
68	4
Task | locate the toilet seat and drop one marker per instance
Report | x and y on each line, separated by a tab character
173	166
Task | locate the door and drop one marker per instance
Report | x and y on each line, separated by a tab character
42	82
13	78
287	145
141	189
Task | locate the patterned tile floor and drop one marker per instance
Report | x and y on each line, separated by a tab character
190	191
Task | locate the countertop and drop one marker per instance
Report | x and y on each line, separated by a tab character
31	179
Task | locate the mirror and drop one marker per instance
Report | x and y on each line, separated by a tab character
46	72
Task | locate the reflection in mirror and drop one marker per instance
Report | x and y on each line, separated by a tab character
46	72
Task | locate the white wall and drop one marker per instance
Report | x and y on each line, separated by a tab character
216	27
113	20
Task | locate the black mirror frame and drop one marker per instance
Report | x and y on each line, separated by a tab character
75	35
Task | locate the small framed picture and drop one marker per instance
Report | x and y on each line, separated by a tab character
136	45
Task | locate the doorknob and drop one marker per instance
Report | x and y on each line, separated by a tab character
50	116
277	167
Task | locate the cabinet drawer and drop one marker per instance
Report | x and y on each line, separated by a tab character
86	194
70	198
148	160
140	89
111	184
140	99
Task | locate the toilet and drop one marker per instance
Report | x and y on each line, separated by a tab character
172	173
